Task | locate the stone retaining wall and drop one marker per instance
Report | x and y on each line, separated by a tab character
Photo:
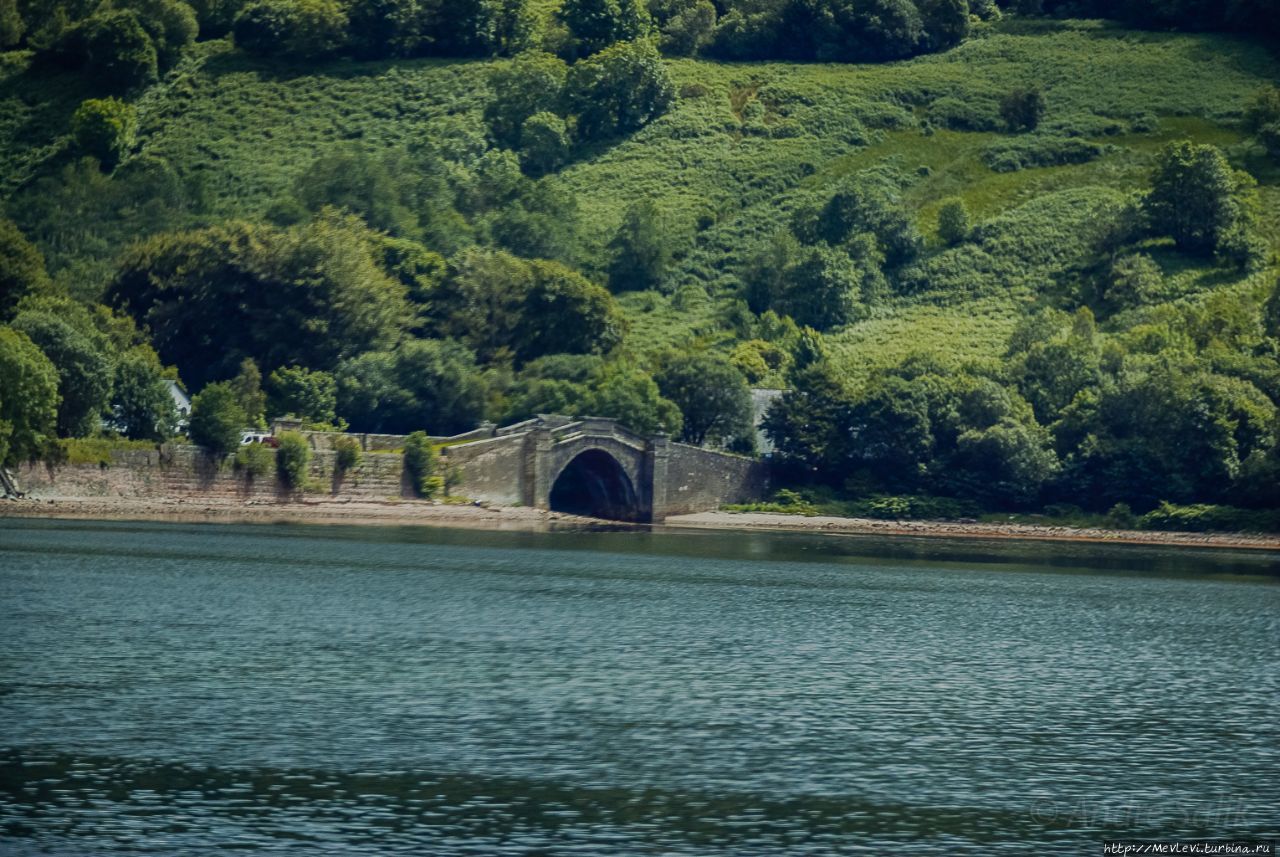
172	470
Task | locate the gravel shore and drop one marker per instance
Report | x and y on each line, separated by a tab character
425	513
969	530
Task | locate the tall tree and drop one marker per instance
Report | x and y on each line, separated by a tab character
82	358
141	407
22	270
300	392
217	419
312	295
385	28
619	90
301	29
597	24
533	82
28	398
712	395
1193	197
641	249
424	384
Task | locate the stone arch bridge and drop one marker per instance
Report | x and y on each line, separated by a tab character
597	467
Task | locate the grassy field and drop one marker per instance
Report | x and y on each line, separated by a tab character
745	144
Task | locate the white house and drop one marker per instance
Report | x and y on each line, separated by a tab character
181	402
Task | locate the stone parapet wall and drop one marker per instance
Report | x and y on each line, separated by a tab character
492	470
324	440
699	480
173	470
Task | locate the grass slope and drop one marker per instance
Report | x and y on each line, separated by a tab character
745	144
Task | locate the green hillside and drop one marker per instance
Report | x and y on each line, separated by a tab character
744	146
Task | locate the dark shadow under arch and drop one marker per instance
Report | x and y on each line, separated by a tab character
594	484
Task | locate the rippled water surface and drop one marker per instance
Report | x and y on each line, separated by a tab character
179	689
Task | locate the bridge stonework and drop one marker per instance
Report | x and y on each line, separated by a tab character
622	474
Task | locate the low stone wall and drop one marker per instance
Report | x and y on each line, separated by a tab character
699	480
324	440
185	471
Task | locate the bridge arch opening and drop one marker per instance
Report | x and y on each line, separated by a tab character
594	484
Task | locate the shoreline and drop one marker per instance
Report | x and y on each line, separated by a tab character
424	513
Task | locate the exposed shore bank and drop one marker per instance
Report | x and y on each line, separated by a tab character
420	513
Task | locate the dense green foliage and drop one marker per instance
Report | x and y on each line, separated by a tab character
81	354
409	244
140	406
217	418
619	90
422	382
103	128
291	28
292	458
297	391
420	463
22	270
309	296
1196	198
28	398
713	397
346	454
255	460
499	303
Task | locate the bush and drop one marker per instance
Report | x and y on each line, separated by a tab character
420	459
531	84
103	128
384	28
1121	517
1200	518
619	90
785	502
346	454
255	459
953	222
965	114
11	25
216	419
1022	109
292	459
598	24
300	392
141	407
544	144
689	29
1040	151
1134	279
909	507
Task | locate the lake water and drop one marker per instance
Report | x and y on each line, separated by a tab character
191	689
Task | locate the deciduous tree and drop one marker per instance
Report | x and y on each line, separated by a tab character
619	90
217	419
712	395
300	392
82	358
141	407
103	128
1193	197
28	398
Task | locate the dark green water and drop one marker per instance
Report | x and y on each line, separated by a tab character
175	689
